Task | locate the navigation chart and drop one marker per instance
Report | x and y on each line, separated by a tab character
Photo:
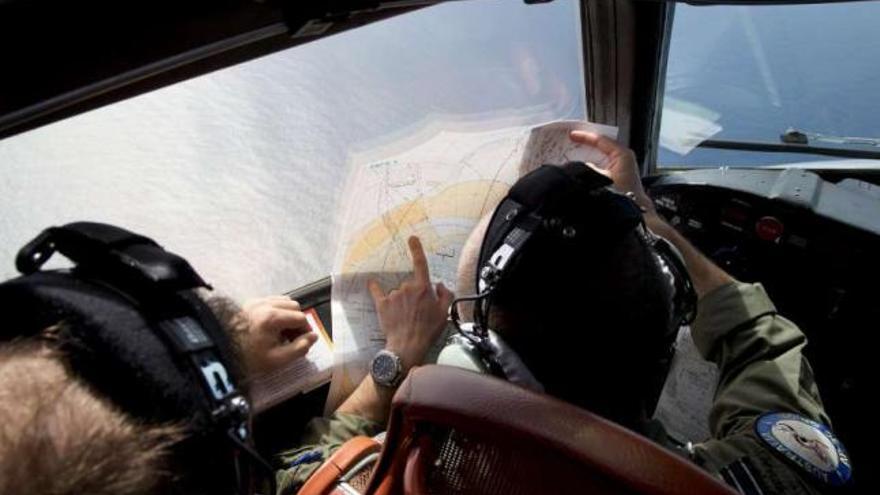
436	185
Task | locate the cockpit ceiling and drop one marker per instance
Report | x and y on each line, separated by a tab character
63	58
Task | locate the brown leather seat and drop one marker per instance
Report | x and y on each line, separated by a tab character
452	431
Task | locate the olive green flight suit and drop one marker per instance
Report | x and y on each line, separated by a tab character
762	370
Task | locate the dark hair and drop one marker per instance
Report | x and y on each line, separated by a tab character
592	324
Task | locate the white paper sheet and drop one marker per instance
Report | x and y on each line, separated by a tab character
549	143
686	125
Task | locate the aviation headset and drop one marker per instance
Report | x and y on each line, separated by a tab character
574	205
133	329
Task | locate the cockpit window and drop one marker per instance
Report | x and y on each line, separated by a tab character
767	85
242	170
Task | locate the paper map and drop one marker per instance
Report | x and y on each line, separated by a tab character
436	185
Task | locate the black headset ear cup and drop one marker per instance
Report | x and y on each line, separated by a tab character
110	343
512	365
684	298
136	331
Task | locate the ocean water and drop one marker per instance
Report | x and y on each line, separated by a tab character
241	170
758	70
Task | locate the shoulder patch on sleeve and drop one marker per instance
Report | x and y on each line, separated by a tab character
809	445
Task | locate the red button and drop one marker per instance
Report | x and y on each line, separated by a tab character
769	228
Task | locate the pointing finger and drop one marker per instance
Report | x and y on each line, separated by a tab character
420	262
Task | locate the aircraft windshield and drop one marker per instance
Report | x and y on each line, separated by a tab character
740	78
242	170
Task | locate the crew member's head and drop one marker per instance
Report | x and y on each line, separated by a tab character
577	288
116	376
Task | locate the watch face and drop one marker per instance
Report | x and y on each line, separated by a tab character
384	368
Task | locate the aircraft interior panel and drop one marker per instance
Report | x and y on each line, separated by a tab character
816	256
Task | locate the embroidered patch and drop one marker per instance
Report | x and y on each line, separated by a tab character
808	444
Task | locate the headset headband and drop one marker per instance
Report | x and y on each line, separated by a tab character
136	331
570	203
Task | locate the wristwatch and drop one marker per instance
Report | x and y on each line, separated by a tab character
386	369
